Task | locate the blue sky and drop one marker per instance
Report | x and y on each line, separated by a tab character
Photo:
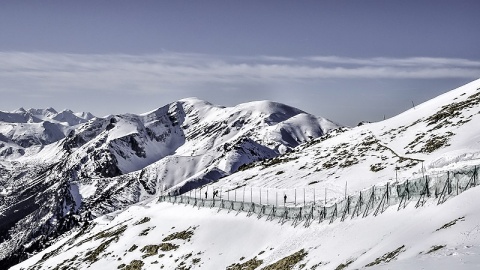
345	60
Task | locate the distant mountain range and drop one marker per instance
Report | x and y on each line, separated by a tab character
58	169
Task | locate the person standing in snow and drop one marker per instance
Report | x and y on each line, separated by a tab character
205	195
284	199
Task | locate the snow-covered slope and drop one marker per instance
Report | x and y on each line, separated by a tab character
439	134
109	163
154	235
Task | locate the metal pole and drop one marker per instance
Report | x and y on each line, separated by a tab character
346	189
423	171
325	201
243	194
313	196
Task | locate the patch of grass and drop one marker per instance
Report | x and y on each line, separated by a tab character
150	250
134	265
183	235
168	246
132	248
277	160
141	221
92	255
377	167
344	265
288	262
450	224
146	231
453	110
248	265
436	142
435	248
387	257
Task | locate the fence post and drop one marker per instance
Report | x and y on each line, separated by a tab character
457	185
325	201
449	183
388	197
260	196
475	176
243	201
313	196
427	186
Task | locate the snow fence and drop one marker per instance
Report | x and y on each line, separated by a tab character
374	200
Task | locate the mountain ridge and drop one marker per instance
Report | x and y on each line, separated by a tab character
108	163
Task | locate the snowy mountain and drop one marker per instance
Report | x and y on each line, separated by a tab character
436	136
109	163
27	131
114	168
440	134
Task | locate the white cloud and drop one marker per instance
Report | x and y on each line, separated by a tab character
49	72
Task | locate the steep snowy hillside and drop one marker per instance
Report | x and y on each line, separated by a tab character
154	235
109	163
439	134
